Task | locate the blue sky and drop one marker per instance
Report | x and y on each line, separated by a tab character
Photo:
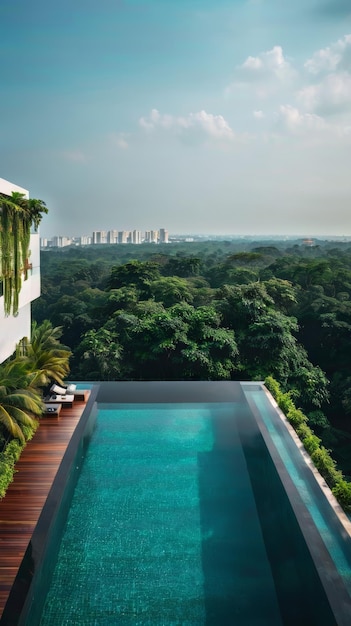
212	116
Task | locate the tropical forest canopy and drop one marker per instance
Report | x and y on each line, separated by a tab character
231	310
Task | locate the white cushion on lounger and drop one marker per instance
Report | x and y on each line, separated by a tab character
71	388
57	389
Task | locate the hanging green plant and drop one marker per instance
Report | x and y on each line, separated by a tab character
17	215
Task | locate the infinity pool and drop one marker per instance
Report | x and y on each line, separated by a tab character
180	517
163	521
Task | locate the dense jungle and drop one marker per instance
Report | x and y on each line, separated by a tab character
212	310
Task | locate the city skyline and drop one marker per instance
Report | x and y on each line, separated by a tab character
220	116
112	236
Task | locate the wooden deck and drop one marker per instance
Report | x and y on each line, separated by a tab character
25	498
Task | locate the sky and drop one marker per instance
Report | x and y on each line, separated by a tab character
198	116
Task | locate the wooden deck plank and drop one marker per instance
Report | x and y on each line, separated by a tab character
26	496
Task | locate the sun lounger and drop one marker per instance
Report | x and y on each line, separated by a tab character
81	395
65	400
62	390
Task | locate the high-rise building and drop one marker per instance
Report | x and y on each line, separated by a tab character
60	241
163	235
84	240
99	236
123	236
112	236
151	236
16	327
136	236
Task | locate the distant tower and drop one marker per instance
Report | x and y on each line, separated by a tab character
112	236
60	241
163	235
84	240
65	241
136	236
99	236
122	236
153	236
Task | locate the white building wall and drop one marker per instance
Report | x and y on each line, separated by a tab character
13	329
8	188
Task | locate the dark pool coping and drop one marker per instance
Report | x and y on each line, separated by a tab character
32	569
344	519
169	392
334	588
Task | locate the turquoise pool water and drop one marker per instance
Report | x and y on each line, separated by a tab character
132	551
179	518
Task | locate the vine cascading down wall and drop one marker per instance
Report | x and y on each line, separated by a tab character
17	215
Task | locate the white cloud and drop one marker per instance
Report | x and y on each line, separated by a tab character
266	74
150	122
309	125
155	120
213	126
331	95
335	56
321	107
252	63
295	121
326	59
271	63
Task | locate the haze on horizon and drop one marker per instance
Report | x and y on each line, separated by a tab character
210	116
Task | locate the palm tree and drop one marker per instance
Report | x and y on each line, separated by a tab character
45	355
39	361
36	208
20	400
